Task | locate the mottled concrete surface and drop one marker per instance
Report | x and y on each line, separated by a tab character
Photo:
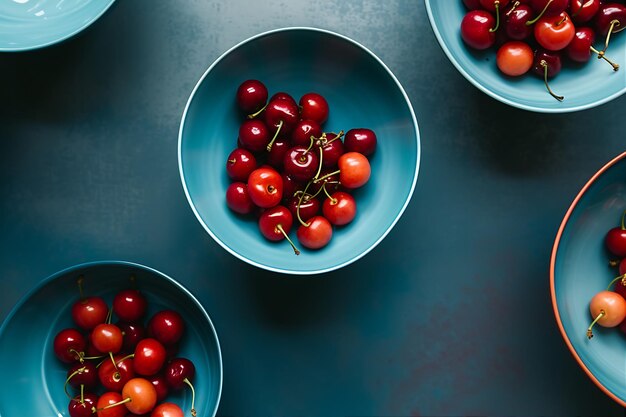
450	315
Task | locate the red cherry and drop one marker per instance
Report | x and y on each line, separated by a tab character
360	140
615	240
141	396
582	11
309	207
314	106
113	377
316	233
129	305
547	64
265	187
281	115
354	170
290	186
301	163
149	357
514	58
579	49
179	373
167	410
88	312
493	5
276	155
608	309
332	148
238	198
68	344
281	95
110	399
132	333
476	29
302	132
554	32
107	338
166	326
254	135
160	385
239	164
251	96
84	374
82	407
340	208
516	23
275	223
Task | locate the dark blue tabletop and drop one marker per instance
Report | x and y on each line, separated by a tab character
449	315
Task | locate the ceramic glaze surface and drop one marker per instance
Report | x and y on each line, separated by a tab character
583	86
580	270
31	24
361	92
39	376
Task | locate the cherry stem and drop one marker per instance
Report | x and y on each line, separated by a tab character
316	180
299	203
602	56
124	401
67	381
311	143
79	281
517	3
319	168
589	332
256	113
621	278
82	393
497	6
608	36
113	360
544	64
269	145
623	216
560	22
337	136
613	263
79	355
193	391
333	201
533	21
279	227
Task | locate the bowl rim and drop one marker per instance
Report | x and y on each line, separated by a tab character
497	96
555	248
92	264
72	33
413	118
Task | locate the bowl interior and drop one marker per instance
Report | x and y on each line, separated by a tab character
361	92
583	86
35	377
26	24
581	270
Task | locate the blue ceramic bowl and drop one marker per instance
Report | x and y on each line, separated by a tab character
579	269
583	86
29	24
361	91
34	377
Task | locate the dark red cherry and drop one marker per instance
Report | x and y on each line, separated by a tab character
281	116
313	106
579	49
476	29
160	385
177	370
254	135
309	207
84	374
68	344
552	60
515	22
239	164
166	326
606	15
276	155
281	95
615	239
332	149
290	186
132	333
238	198
88	312
251	96
301	163
130	305
82	407
360	140
582	11
113	377
301	135
472	4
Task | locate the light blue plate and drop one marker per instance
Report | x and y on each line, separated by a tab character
583	86
34	377
361	91
32	24
579	269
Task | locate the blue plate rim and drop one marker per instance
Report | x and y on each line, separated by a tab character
91	264
400	212
555	250
500	98
69	35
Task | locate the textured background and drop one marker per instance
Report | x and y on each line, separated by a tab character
449	315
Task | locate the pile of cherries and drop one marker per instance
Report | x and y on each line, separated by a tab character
287	168
539	35
608	307
127	368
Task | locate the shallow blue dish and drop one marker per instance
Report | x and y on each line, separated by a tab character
32	24
582	86
34	377
361	92
579	269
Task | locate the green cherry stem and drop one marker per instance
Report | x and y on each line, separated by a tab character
299	203
279	227
544	64
319	168
497	6
614	23
67	381
620	278
623	216
533	21
333	200
193	391
269	145
255	114
589	332
326	176
601	55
